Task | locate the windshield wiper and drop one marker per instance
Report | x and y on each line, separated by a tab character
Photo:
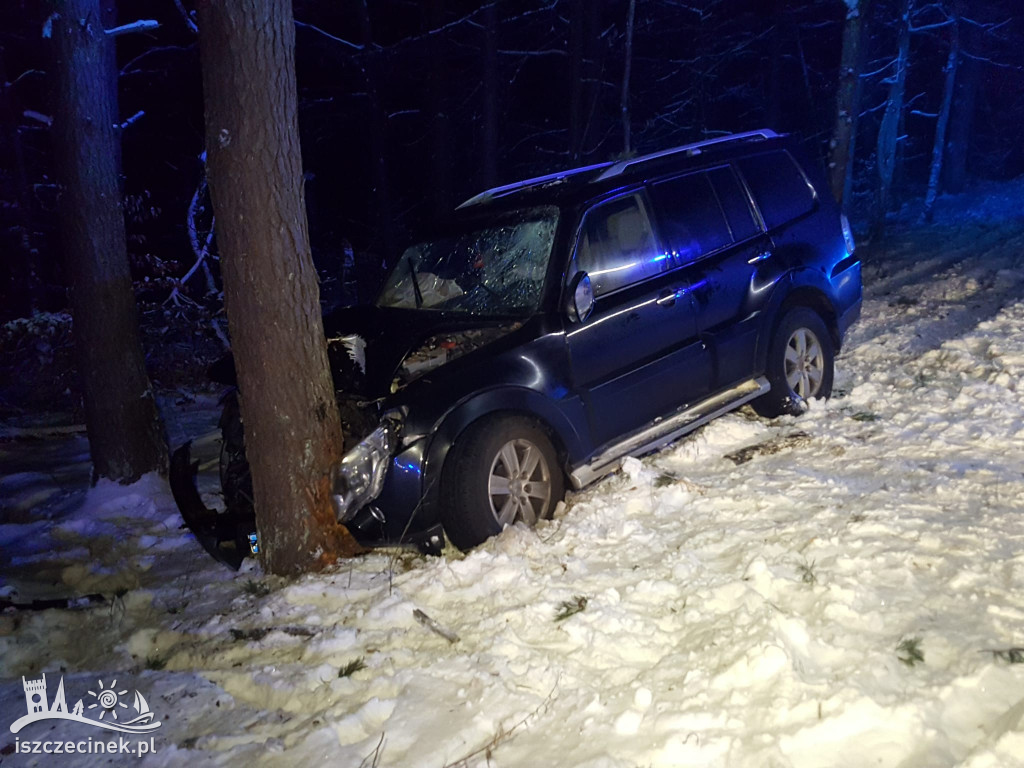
415	283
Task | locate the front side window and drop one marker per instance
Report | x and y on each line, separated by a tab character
617	245
495	270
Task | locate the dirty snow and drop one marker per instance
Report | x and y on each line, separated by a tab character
841	589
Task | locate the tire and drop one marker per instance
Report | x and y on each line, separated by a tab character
801	364
477	498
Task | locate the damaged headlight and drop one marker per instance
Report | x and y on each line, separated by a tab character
360	476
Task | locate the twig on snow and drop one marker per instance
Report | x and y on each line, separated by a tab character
433	626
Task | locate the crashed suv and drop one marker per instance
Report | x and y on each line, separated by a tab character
567	322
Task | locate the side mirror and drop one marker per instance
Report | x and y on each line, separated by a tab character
581	298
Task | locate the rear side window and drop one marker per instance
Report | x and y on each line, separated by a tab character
691	218
779	187
617	246
735	205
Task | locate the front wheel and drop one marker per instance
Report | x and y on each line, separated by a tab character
801	364
500	471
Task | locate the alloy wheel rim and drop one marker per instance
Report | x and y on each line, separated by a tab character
804	363
519	484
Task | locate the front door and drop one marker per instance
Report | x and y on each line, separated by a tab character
637	356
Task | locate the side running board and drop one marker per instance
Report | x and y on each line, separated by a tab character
664	430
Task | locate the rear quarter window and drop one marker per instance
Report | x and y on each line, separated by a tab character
780	189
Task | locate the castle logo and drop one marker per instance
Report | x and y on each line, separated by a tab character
104	707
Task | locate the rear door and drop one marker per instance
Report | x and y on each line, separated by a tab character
711	229
637	356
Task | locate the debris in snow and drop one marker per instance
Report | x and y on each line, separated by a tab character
909	651
569	608
352	667
433	626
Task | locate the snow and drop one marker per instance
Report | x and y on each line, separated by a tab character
840	589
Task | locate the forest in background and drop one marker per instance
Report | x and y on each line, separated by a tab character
407	108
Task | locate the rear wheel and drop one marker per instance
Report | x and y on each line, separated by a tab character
801	364
500	471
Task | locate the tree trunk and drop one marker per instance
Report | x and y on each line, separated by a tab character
627	70
939	146
844	135
889	130
961	121
126	435
292	429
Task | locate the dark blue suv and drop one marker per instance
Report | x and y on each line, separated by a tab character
568	321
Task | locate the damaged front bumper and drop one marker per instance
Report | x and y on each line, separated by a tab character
382	472
359	479
229	536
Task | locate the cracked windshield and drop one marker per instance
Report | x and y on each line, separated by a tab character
496	270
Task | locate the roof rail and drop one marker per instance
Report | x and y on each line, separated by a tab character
555	177
692	149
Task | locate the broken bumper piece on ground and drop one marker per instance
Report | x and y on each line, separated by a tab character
225	535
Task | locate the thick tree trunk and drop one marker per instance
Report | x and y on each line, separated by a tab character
292	428
939	145
126	436
889	130
844	135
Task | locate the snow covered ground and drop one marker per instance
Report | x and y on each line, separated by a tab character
841	589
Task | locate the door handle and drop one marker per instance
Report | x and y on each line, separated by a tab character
760	257
668	298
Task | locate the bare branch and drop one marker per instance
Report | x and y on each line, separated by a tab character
142	25
329	36
185	15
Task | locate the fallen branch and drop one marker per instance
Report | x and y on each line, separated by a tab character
433	626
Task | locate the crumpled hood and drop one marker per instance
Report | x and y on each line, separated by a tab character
372	364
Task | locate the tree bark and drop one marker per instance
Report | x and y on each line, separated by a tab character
844	135
126	435
961	121
292	429
889	130
939	145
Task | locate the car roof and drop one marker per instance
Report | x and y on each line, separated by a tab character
577	185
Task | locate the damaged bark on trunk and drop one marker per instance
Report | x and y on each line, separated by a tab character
292	430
